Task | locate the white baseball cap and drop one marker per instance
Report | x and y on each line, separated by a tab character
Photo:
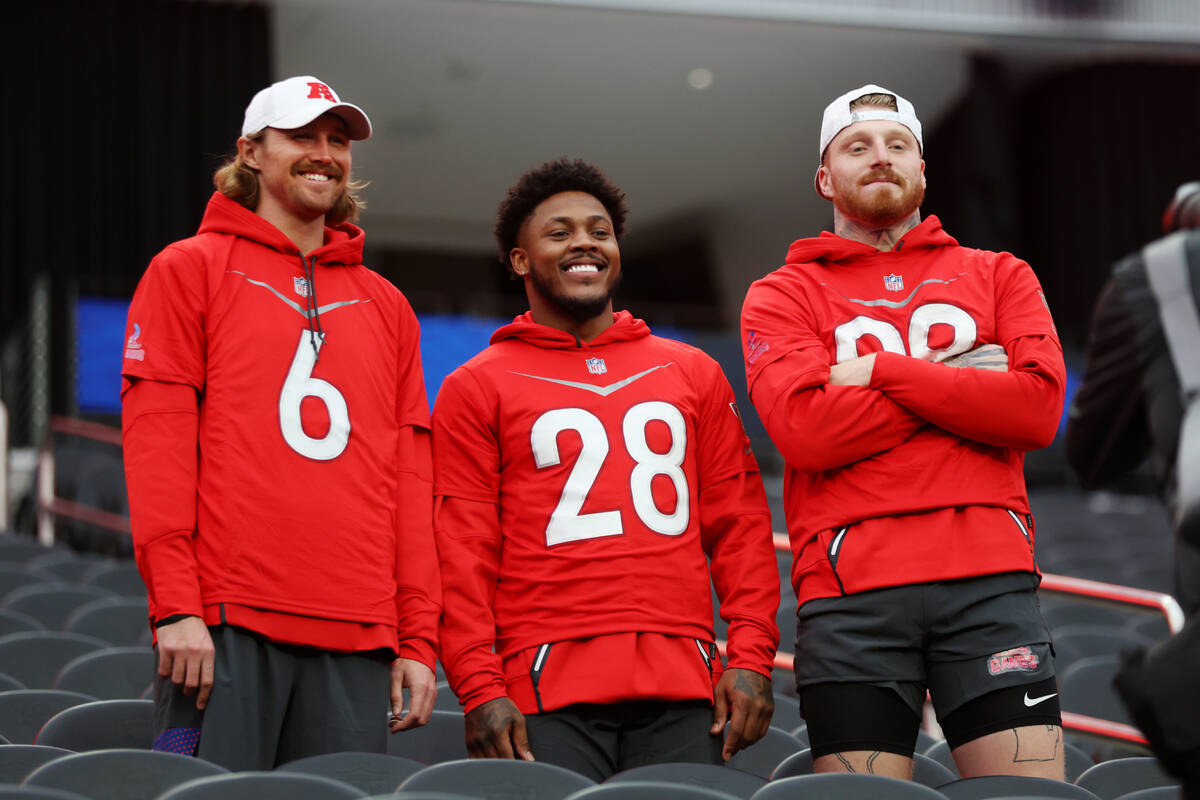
295	102
838	117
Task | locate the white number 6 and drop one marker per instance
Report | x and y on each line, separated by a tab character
301	384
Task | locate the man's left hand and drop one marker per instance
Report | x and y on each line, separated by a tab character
422	690
747	700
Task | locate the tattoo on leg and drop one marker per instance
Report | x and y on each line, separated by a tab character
845	763
871	761
1033	752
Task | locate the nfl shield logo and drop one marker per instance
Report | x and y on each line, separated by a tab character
893	283
596	366
301	286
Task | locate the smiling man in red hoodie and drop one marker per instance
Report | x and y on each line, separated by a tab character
278	460
590	478
903	376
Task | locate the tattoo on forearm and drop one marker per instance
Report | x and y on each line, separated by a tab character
1036	748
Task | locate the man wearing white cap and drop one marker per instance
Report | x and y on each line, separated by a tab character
277	459
912	539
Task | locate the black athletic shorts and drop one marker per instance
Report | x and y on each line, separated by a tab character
958	639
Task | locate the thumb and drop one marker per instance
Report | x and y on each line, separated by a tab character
521	741
720	712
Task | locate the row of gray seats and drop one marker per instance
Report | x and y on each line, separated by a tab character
117	774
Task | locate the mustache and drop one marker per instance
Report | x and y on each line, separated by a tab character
883	175
331	170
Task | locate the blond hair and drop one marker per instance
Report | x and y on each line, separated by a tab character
239	183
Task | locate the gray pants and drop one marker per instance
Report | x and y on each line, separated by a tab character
274	703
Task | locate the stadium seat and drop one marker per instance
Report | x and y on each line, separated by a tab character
18	760
1086	687
51	603
787	712
118	576
263	785
101	724
120	621
991	786
37	793
8	682
16	622
763	756
1075	760
1111	779
644	790
926	771
23	712
35	657
845	786
14	576
375	773
440	739
446	699
1152	626
109	674
801	733
705	776
120	774
1155	793
20	550
493	778
65	565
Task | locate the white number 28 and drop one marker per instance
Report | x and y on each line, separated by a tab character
567	524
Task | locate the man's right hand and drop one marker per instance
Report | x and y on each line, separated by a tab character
185	655
496	729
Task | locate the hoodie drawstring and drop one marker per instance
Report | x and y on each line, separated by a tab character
315	333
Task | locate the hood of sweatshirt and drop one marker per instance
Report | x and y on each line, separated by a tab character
625	328
831	248
343	244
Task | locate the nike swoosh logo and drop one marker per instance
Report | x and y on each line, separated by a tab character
299	309
1033	701
603	391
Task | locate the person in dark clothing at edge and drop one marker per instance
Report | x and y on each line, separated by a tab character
1129	406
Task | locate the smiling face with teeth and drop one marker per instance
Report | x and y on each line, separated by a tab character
302	171
568	255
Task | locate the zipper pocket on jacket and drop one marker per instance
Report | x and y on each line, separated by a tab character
535	673
1025	527
834	552
708	651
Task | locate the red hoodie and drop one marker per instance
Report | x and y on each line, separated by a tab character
582	490
923	439
294	518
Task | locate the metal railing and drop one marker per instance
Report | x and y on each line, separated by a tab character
50	505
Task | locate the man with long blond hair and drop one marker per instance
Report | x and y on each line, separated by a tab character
277	458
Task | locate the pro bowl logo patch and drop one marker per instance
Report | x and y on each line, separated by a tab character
893	283
133	347
755	347
1019	659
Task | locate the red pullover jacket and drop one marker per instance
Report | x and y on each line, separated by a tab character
923	437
